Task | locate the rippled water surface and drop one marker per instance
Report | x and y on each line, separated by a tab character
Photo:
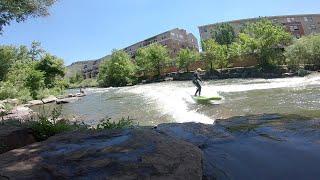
152	104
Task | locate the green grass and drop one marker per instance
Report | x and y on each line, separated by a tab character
121	124
49	124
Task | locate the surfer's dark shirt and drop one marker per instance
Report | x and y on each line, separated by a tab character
196	77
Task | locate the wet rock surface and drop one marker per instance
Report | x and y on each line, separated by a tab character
255	147
126	154
49	99
67	100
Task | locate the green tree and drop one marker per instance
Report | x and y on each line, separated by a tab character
303	51
9	55
20	10
36	51
265	40
7	58
142	61
34	81
52	67
224	34
215	55
118	71
158	57
77	78
186	57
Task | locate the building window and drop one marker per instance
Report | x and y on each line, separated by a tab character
313	27
290	19
308	19
294	28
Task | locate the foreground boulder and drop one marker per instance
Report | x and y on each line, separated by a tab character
255	147
125	154
14	136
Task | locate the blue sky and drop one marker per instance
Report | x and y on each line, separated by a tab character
90	29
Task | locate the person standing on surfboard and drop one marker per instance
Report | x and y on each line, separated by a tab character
195	80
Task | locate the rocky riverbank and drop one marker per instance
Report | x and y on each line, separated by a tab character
22	112
243	72
251	147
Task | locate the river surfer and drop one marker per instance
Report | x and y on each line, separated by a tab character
196	81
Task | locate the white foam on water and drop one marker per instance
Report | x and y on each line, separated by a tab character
172	100
296	82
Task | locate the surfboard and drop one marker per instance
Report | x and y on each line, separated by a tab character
206	99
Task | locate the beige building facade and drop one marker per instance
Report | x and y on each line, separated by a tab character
174	40
297	25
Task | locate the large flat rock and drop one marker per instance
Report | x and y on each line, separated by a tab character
49	99
124	154
255	147
14	136
20	113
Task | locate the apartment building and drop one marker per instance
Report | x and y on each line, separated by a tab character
174	40
298	25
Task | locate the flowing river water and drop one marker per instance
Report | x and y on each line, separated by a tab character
152	104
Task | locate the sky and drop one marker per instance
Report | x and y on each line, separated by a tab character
90	29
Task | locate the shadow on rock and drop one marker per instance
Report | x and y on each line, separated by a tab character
119	154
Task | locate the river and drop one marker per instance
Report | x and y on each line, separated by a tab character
152	104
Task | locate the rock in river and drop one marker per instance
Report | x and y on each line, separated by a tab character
126	154
67	100
34	103
49	99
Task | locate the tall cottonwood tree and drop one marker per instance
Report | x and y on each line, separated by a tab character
186	57
20	10
156	56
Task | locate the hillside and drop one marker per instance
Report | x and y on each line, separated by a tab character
79	65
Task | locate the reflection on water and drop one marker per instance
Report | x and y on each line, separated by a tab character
171	101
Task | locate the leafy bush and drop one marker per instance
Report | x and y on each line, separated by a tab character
7	90
24	95
5	110
108	124
85	83
48	124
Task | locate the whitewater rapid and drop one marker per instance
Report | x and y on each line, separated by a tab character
174	99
